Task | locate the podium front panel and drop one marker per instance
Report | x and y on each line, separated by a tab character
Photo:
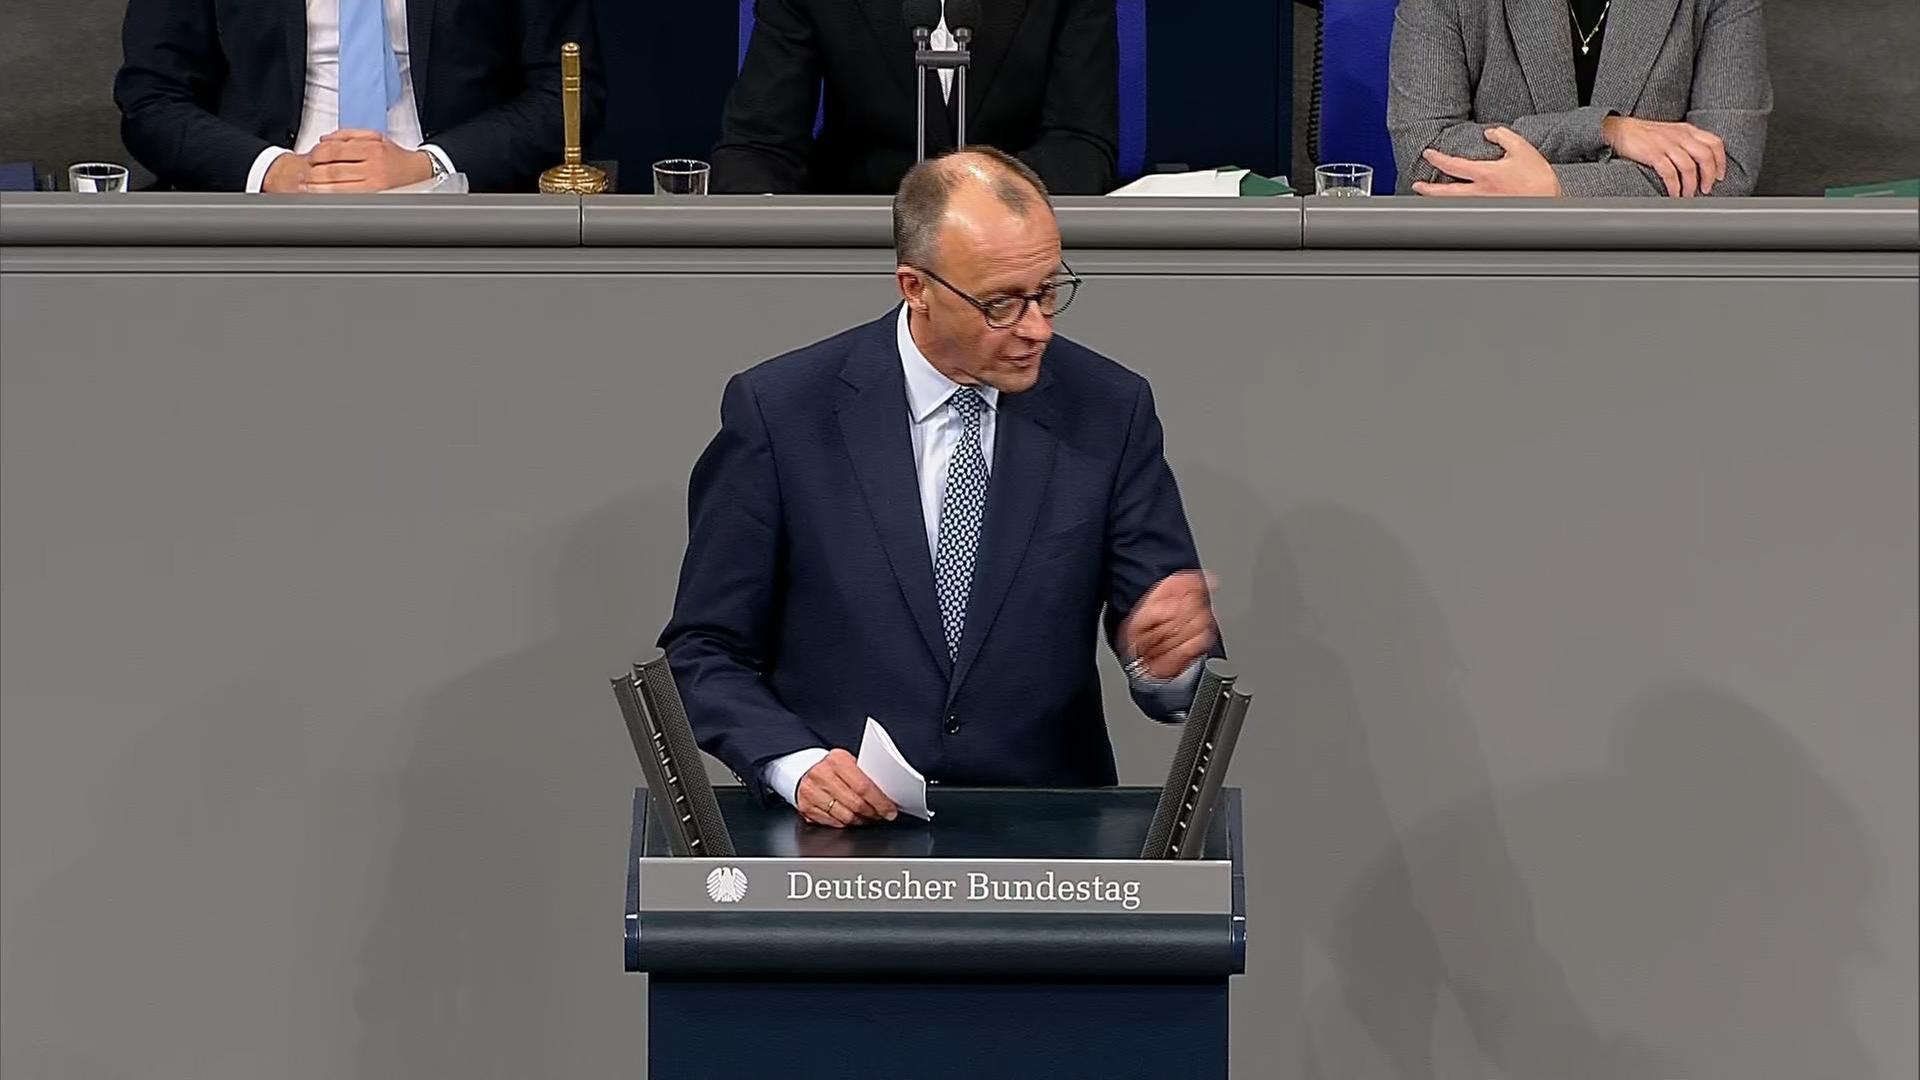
1002	883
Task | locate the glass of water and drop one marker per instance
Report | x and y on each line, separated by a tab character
1343	181
96	176
680	176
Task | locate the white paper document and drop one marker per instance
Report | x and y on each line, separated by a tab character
884	765
1224	183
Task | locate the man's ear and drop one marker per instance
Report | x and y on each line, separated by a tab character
913	288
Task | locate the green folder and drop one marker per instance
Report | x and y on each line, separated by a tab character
1255	185
1899	189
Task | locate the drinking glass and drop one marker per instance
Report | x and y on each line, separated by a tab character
1343	181
680	176
97	176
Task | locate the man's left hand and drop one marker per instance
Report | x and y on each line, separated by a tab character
1522	171
349	160
1172	626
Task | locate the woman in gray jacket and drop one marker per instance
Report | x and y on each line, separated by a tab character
1578	97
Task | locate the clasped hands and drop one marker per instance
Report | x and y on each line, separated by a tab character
1170	628
1689	159
347	161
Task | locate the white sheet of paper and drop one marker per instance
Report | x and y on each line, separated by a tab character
884	765
1223	183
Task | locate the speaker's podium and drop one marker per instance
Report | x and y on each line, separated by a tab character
1019	933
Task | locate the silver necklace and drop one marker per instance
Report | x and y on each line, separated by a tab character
1586	37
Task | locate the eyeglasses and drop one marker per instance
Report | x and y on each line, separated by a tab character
1004	312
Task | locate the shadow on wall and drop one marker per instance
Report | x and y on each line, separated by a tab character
1368	728
179	945
496	949
1708	877
474	888
1701	893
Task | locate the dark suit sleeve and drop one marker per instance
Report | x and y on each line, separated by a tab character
766	130
1078	145
720	638
1147	533
506	147
168	85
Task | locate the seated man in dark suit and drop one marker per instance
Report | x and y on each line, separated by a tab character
357	95
922	519
1043	86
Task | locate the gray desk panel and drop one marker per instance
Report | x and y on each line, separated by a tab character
759	222
736	221
189	219
875	263
1085	223
1581	605
1616	224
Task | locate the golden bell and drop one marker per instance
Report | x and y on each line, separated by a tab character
572	177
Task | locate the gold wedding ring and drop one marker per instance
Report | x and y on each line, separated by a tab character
831	803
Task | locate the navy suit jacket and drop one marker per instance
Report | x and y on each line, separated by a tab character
806	600
208	84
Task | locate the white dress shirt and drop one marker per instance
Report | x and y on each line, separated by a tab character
935	429
320	109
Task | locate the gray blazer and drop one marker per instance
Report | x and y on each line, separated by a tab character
1459	66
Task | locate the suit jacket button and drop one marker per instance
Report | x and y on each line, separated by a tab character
953	725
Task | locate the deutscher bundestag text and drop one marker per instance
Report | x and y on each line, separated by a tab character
977	888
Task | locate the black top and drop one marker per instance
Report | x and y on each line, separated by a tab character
1586	14
1044	85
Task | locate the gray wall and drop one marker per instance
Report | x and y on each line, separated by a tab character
57	61
1583	625
1844	72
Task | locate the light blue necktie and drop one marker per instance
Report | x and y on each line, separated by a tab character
961	511
369	72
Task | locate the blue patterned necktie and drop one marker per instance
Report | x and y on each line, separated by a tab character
961	511
369	72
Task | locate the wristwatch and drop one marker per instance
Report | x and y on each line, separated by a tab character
433	159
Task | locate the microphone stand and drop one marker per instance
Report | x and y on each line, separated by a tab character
963	37
927	59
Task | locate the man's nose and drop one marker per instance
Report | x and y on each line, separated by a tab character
1034	326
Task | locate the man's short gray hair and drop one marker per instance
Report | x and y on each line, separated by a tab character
921	203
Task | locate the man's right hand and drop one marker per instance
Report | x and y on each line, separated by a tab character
287	174
836	793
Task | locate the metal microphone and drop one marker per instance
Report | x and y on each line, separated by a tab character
962	17
921	16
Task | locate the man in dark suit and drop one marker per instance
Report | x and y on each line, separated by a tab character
1043	86
349	95
921	520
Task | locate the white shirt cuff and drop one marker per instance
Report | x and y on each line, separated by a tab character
257	176
440	156
1175	695
783	774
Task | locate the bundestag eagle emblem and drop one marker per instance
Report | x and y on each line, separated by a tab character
727	884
